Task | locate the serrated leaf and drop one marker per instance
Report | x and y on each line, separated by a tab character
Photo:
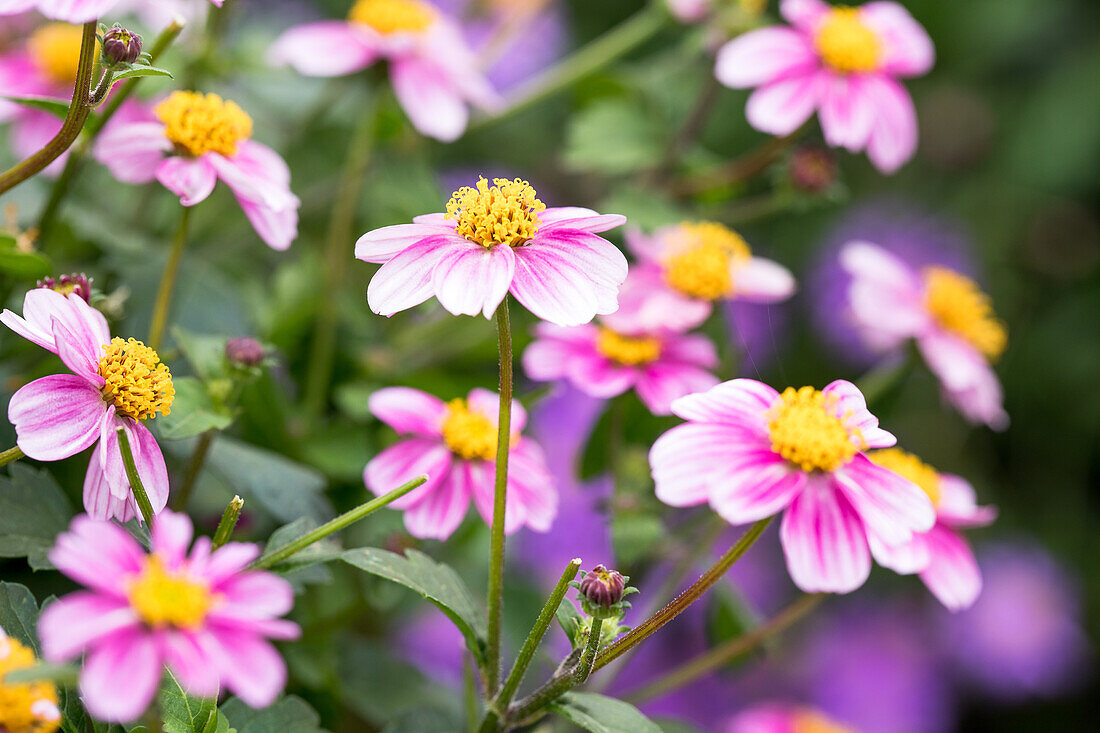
19	614
193	412
602	714
33	511
183	713
435	581
139	71
289	714
57	107
19	264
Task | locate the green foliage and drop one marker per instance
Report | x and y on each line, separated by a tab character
193	412
289	714
33	511
183	713
20	264
612	137
602	714
19	614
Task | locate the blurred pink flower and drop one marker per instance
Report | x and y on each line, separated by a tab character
492	241
784	718
114	384
842	62
752	452
455	444
682	270
433	72
71	11
187	142
945	312
202	614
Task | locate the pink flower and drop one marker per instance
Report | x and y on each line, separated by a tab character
114	384
842	62
201	613
752	452
945	312
492	241
942	556
455	444
661	366
684	269
783	718
187	142
433	72
71	11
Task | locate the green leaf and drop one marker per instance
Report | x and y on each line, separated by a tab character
33	511
21	265
183	713
434	581
285	489
613	136
19	614
137	71
57	107
600	714
676	726
423	720
289	714
204	352
571	621
193	412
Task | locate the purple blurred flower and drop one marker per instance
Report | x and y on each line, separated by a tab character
434	645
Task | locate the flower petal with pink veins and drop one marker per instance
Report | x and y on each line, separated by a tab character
958	504
42	306
661	383
764	486
437	514
596	375
404	461
192	658
99	502
82	359
894	136
251	595
406	280
192	179
781	107
121	675
762	281
824	542
258	174
567	276
763	56
251	667
740	402
408	410
149	462
471	279
56	416
847	112
687	459
381	245
100	555
952	575
132	151
803	14
576	217
850	407
430	99
171	538
893	507
75	11
325	48
907	49
278	228
907	558
79	620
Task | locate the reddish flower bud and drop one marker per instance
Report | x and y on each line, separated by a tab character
813	169
244	351
120	46
602	588
80	284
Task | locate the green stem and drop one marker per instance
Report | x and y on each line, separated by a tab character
194	468
229	521
11	455
168	283
74	120
500	493
140	495
580	674
344	520
469	693
685	599
531	707
727	651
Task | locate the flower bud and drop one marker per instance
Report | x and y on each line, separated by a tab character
813	169
244	351
80	284
120	46
602	588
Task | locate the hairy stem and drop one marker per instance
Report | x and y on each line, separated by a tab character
228	522
141	497
168	283
11	455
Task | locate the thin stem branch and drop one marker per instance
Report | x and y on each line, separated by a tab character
580	674
500	493
727	651
168	283
229	521
469	693
194	468
141	497
344	520
529	708
11	455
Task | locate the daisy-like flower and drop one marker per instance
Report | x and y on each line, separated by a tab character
684	269
28	707
494	240
188	141
433	72
784	718
945	312
943	557
114	384
752	452
843	62
71	11
455	444
660	366
200	613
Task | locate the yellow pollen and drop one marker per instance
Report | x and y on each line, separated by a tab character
846	44
701	269
505	213
809	721
55	50
20	704
198	123
165	598
805	430
908	466
628	350
392	16
469	434
137	384
960	306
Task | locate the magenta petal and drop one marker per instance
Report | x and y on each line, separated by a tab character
847	112
381	245
567	277
577	217
763	486
824	541
472	279
257	174
780	107
172	538
83	362
226	561
547	357
56	416
131	151
193	661
254	595
75	11
41	307
439	512
99	502
894	136
278	228
149	461
958	504
851	408
892	507
763	56
100	555
907	49
952	575
79	620
740	402
251	667
686	460
661	384
192	179
430	98
120	676
405	461
325	48
803	14
596	375
532	499
762	281
406	280
408	410
907	558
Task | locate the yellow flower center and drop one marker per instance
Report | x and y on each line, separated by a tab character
806	431
392	16
960	306
55	50
702	268
198	123
21	705
908	466
505	213
628	350
137	384
809	721
468	433
846	44
164	598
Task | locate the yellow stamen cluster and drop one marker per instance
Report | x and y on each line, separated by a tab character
165	598
960	306
505	213
907	465
198	123
392	16
628	350
55	50
137	384
811	721
701	268
468	433
29	707
846	43
805	430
